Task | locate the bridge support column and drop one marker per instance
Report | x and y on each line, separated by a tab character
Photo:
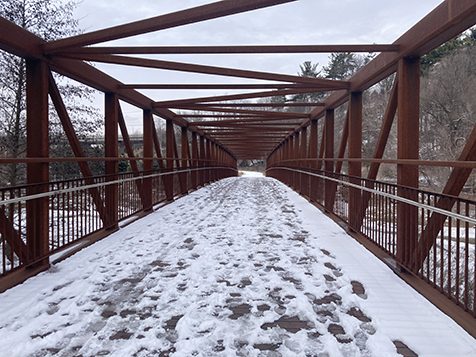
148	129
313	152
169	148
304	178
111	140
194	159
37	224
184	154
329	186
208	149
290	163
202	158
296	156
408	148
355	152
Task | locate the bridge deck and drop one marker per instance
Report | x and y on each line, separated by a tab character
241	267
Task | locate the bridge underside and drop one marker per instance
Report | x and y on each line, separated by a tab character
235	268
428	235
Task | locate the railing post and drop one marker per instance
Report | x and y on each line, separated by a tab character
313	152
290	163
408	148
37	147
209	158
329	186
148	165
202	162
111	151
304	185
169	153
194	159
296	152
355	152
184	163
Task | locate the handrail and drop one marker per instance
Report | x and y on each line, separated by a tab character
74	189
384	194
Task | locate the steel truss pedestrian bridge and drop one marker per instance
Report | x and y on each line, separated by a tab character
428	238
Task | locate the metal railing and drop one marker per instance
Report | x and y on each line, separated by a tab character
428	234
73	206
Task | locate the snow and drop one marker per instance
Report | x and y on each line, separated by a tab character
251	174
216	273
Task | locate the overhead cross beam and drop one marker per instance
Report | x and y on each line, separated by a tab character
212	70
210	100
180	18
233	49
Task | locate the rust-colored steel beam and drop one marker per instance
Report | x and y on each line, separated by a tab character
322	147
251	105
211	70
195	158
329	186
304	184
313	154
384	134
111	136
169	146
355	151
235	49
343	144
245	125
220	86
130	151
210	100
257	113
185	155
259	120
453	187
264	129
250	139
37	211
158	151
75	144
179	18
148	164
408	148
251	116
28	45
12	238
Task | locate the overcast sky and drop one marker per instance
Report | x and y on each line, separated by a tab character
303	22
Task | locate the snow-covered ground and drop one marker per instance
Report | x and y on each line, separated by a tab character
242	267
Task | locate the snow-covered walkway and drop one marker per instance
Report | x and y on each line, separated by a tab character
242	267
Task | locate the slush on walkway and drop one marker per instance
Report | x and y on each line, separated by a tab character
242	267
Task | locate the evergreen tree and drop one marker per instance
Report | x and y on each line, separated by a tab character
341	66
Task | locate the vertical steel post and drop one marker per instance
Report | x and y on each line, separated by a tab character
296	151
291	162
313	152
169	153
304	185
329	186
408	148
202	160
355	152
111	141
209	159
185	150
37	223
148	129
194	159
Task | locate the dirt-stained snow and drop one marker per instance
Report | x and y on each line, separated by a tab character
242	267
